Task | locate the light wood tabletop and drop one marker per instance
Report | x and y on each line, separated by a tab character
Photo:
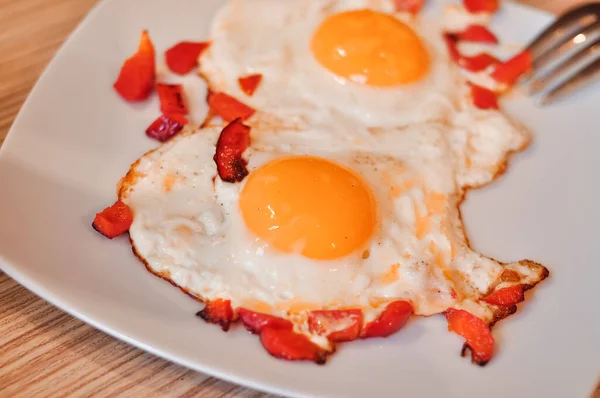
45	352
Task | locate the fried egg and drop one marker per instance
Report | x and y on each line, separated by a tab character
314	227
326	61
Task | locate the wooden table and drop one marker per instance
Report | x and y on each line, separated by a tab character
43	351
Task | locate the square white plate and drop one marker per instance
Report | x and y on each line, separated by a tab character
74	139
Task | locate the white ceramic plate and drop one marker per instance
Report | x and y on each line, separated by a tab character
74	139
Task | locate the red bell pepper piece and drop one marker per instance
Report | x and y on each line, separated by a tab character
478	335
508	72
412	6
165	127
114	220
474	63
474	6
255	322
392	319
484	98
478	34
172	100
477	62
337	325
451	45
136	79
218	311
506	297
228	107
232	143
285	344
250	83
183	56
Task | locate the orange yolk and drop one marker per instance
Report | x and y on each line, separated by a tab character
370	47
310	206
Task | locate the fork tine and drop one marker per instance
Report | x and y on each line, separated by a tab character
564	27
581	37
585	76
569	66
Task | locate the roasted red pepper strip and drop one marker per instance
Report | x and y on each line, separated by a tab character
250	83
172	100
232	143
255	322
508	72
478	335
183	57
166	127
136	79
337	325
228	107
477	63
285	344
475	6
478	34
451	44
390	321
506	297
474	63
484	98
114	220
218	311
412	6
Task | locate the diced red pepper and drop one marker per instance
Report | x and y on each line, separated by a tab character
114	220
451	44
477	63
484	98
166	127
183	57
255	322
136	79
412	6
232	143
218	311
506	297
508	72
474	63
337	325
478	34
475	6
478	335
228	107
172	100
392	319
250	83
285	344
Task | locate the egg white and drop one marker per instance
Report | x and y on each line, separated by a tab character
188	228
246	39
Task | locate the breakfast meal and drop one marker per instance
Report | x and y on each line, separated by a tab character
318	203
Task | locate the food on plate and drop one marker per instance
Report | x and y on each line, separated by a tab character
183	56
311	245
343	61
114	220
508	72
165	127
477	33
326	208
250	83
136	78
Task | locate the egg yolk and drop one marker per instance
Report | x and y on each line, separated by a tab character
310	206
371	48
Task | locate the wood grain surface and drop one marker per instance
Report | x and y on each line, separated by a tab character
43	351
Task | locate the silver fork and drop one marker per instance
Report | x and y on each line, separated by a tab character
566	55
